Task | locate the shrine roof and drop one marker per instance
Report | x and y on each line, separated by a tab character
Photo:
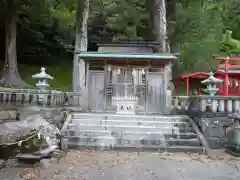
232	68
116	55
130	44
233	71
194	75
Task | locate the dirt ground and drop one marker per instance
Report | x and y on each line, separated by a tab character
97	165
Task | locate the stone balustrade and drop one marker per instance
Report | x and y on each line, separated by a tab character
14	98
222	104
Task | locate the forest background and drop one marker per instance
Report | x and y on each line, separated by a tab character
45	31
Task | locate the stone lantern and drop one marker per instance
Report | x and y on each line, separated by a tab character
211	89
211	83
42	84
43	77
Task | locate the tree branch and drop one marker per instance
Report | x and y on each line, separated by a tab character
58	2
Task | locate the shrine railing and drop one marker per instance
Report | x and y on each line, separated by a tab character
222	104
14	98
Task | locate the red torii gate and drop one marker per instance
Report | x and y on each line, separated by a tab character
222	72
226	66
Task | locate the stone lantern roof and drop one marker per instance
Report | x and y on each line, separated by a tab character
211	80
42	75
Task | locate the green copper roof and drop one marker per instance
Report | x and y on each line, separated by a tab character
126	55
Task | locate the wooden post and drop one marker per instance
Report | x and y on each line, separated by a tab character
187	86
226	79
105	84
86	84
199	91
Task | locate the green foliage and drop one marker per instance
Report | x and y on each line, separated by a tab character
198	33
46	30
229	45
113	20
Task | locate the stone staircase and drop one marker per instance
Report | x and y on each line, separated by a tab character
140	132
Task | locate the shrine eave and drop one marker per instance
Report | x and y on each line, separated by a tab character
195	75
113	55
233	71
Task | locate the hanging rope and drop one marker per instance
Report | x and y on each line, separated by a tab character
21	141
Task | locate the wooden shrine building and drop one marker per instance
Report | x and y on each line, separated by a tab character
125	79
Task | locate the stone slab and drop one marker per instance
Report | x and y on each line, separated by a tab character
45	163
134	148
28	157
108	116
2	163
129	123
135	141
37	155
115	133
45	152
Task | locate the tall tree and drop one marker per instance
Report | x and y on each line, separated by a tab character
10	74
81	44
13	8
158	20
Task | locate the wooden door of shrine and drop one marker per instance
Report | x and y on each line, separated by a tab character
96	91
126	82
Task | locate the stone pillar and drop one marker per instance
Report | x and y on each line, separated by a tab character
168	87
82	74
78	74
79	81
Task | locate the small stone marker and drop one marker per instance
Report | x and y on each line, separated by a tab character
2	163
45	163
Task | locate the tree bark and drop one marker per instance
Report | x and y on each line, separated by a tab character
10	75
158	19
81	44
171	16
157	9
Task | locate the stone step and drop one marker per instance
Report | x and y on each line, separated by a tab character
105	116
139	148
128	122
89	133
109	140
143	132
137	134
117	128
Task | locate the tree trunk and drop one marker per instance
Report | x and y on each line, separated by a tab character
81	44
158	19
157	9
171	16
10	75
